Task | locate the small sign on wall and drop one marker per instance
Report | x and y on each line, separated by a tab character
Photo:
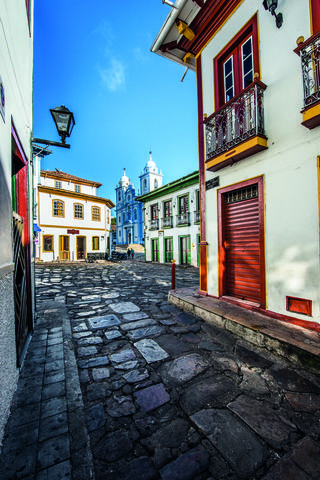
2	100
212	183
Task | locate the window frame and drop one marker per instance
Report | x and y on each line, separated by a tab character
62	215
167	202
165	251
154	211
58	184
234	49
186	195
44	237
95	215
93	243
77	188
74	211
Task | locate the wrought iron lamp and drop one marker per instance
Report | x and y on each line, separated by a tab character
272	5
64	122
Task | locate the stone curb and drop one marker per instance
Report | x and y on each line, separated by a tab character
294	351
80	451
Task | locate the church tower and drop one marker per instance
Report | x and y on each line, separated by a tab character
151	177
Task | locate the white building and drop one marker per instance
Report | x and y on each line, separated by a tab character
258	125
73	220
172	222
16	264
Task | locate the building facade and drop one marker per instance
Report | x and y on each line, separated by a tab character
172	222
16	262
258	125
129	213
73	220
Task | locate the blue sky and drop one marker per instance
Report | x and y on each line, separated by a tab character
94	58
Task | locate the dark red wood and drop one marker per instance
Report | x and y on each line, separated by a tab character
268	313
299	305
241	245
249	29
209	19
315	15
203	246
173	275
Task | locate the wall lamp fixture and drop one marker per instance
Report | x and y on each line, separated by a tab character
64	122
272	5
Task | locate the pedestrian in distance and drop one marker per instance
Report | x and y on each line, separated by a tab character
132	253
128	252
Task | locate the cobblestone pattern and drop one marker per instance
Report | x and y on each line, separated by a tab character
167	396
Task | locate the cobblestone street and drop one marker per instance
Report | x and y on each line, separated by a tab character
164	394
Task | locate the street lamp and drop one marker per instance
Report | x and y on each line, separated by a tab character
272	5
64	122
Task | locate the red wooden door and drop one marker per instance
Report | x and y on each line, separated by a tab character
242	245
315	14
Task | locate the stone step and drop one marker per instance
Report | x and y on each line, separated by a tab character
299	345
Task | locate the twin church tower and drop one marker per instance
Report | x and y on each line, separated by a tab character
129	212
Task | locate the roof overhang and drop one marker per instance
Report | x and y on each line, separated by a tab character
189	26
169	42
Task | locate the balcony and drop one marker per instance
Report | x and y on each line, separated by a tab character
183	219
154	224
167	222
196	217
236	130
309	53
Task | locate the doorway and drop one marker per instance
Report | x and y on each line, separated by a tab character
241	242
64	247
155	250
185	253
81	248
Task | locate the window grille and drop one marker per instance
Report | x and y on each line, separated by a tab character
58	184
58	208
242	194
96	213
78	210
77	188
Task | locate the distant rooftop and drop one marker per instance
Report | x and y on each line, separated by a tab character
66	176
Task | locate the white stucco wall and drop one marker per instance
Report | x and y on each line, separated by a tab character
16	60
87	227
193	230
289	165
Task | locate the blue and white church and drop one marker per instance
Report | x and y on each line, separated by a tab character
129	212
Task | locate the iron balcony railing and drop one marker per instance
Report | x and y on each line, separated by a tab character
309	53
166	222
196	217
183	219
154	224
238	120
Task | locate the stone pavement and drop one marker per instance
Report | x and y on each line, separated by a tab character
141	390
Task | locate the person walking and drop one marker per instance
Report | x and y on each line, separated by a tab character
128	253
132	253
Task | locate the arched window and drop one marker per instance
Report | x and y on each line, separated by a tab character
145	184
119	196
129	198
155	183
119	219
135	214
58	208
78	210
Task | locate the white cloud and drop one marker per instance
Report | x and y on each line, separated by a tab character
140	55
114	77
